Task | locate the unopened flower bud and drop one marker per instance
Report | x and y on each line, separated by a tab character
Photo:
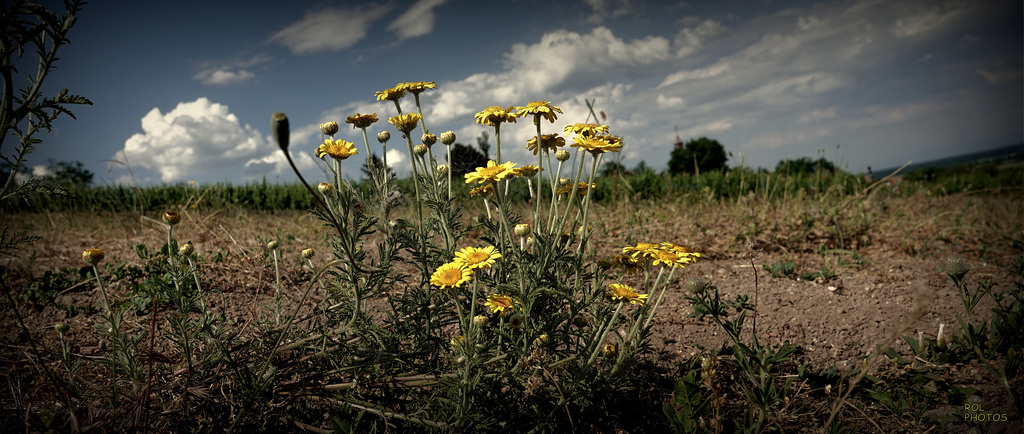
324	188
461	360
516	321
561	155
541	340
272	245
392	224
186	249
580	321
707	364
429	139
92	256
308	254
383	136
956	268
442	169
696	285
279	126
481	320
420	149
563	181
457	341
529	241
448	137
61	327
172	218
329	128
522	229
271	370
609	350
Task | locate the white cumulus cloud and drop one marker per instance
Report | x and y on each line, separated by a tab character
584	57
201	137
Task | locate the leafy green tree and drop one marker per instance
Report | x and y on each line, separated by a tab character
376	162
704	153
484	144
465	159
805	165
69	173
642	168
612	168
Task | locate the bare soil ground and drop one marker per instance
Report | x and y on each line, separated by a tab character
892	287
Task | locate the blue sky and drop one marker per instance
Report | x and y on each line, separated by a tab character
184	90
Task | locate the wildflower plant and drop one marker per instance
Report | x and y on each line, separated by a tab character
529	327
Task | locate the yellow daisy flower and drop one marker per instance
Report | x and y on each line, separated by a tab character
587	130
337	149
628	264
419	86
392	94
482	190
618	291
672	256
613	141
641	249
405	122
492	173
680	250
528	170
495	115
500	304
474	257
597	144
361	121
450	275
550	142
539	109
581	188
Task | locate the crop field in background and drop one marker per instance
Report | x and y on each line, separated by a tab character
817	304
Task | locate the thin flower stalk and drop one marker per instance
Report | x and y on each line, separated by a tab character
415	179
586	202
277	286
578	165
603	333
541	150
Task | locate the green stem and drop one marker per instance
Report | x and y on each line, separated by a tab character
115	326
586	203
664	287
572	194
415	182
369	159
540	165
277	292
449	162
497	142
604	334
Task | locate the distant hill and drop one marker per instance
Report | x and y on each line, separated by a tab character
1012	154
